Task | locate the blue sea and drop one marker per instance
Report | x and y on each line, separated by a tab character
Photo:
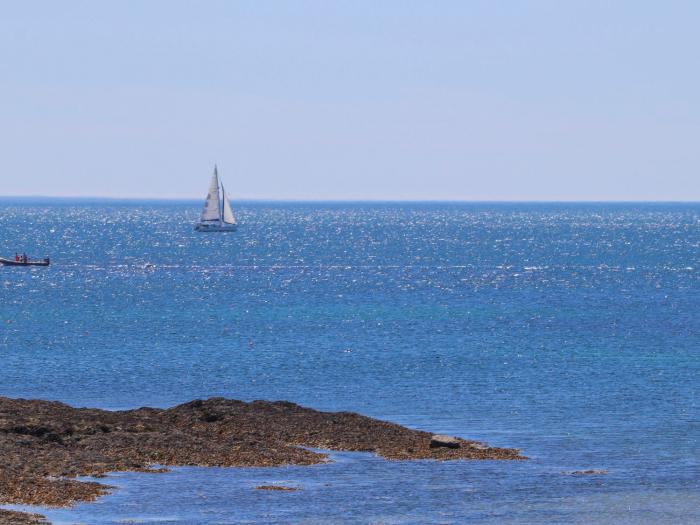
569	331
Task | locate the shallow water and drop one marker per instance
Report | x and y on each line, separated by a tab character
570	331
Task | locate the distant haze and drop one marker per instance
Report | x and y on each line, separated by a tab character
361	99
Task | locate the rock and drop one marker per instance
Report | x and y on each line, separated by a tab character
438	440
10	517
276	487
590	472
45	446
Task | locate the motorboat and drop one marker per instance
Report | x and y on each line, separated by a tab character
25	262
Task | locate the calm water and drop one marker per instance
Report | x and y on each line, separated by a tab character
569	331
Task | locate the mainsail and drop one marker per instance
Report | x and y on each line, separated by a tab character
228	214
212	211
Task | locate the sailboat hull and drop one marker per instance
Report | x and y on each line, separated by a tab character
215	227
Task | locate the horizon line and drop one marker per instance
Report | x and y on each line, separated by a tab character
97	198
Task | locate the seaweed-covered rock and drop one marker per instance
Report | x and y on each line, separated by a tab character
44	444
11	517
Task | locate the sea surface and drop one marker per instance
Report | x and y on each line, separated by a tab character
570	331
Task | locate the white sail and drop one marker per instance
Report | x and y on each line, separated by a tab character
211	211
228	214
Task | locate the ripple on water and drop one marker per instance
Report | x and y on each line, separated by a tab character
569	331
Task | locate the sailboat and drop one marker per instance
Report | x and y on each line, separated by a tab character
216	215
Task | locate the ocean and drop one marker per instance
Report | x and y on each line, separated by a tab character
569	331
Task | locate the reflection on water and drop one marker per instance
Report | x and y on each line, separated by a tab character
569	331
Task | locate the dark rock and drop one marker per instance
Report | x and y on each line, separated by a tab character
212	418
590	472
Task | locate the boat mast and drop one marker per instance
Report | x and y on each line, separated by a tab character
221	203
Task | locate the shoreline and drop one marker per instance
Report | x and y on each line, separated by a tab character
45	444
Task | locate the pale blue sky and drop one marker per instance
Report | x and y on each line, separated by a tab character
459	100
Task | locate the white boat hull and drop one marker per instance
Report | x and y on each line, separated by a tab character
215	227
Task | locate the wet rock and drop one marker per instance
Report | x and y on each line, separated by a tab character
590	472
10	517
43	445
439	440
277	487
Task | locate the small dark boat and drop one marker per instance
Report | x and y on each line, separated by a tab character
28	262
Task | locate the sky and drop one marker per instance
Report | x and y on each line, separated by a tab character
352	100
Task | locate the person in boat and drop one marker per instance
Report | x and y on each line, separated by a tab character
24	258
16	257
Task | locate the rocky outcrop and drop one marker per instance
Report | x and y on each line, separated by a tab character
43	445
